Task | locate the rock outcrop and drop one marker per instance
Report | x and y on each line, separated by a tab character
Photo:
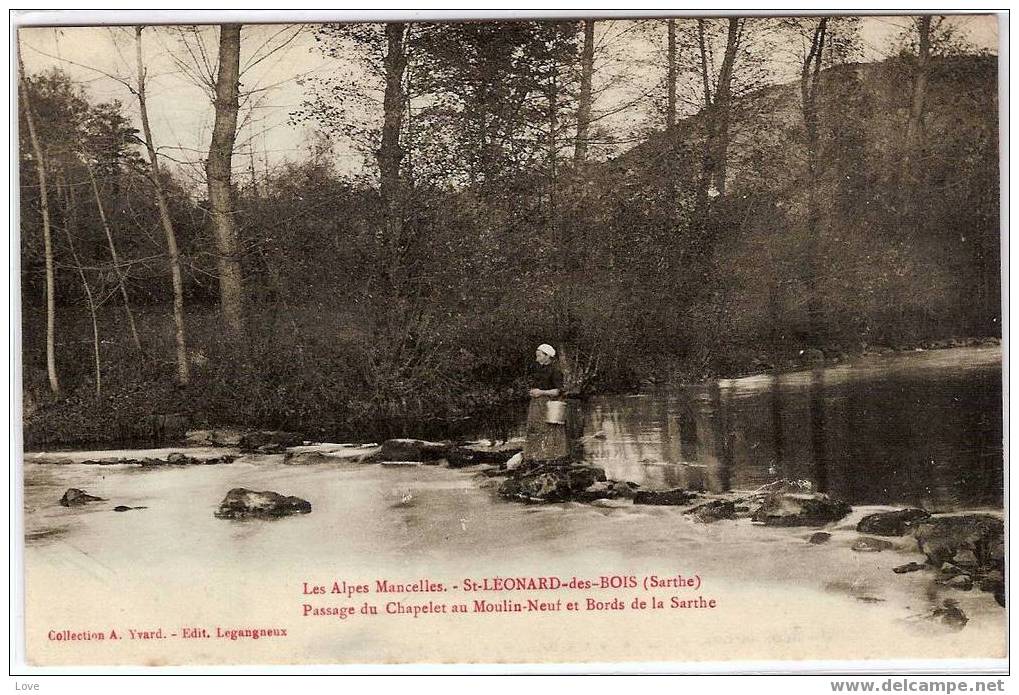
78	498
894	523
908	567
463	456
675	497
967	550
550	482
607	490
413	450
331	453
974	541
712	511
800	509
179	459
241	503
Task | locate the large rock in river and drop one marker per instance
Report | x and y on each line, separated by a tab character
800	509
894	523
676	497
463	456
713	510
550	482
241	503
331	453
180	459
413	450
976	540
606	490
77	498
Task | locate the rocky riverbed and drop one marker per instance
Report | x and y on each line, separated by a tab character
960	552
900	557
783	591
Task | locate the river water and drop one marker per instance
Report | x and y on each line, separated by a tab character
920	428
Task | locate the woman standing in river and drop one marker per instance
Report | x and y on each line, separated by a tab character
549	416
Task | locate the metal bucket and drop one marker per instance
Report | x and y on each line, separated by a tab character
555	412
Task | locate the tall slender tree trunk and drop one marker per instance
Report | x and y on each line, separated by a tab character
390	154
919	94
218	170
914	127
671	76
552	155
172	254
70	212
717	112
810	85
116	259
723	104
707	115
810	89
44	207
584	104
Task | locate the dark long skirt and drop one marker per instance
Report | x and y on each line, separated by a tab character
550	442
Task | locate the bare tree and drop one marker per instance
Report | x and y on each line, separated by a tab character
70	212
114	256
718	106
584	104
810	88
172	253
921	75
40	168
218	169
390	153
671	76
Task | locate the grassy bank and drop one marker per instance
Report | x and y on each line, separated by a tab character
333	379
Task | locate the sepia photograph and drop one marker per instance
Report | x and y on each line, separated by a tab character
527	339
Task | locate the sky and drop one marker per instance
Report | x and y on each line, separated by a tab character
281	65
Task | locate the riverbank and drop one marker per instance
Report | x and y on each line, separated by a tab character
962	550
162	413
777	595
688	490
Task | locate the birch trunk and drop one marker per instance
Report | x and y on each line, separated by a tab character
40	168
172	254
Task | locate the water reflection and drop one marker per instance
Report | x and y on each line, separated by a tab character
913	429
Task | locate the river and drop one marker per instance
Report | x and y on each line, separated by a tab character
918	428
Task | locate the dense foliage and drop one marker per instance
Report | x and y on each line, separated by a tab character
507	243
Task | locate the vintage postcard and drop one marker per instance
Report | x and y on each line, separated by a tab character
516	340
